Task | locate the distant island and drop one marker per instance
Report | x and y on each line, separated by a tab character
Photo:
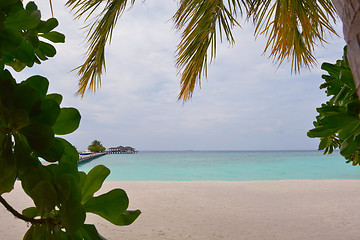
121	150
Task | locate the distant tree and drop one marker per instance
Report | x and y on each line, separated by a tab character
96	146
95	143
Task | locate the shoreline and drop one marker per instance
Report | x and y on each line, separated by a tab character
275	209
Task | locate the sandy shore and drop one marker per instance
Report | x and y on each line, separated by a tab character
225	210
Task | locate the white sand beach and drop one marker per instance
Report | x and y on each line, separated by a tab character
291	210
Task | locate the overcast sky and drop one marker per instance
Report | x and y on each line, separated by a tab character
246	103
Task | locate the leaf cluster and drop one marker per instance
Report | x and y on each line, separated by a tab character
30	119
22	33
338	123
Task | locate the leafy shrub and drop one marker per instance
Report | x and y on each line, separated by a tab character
29	120
338	124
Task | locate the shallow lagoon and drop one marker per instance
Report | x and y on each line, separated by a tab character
224	166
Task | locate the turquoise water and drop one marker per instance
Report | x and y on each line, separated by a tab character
224	166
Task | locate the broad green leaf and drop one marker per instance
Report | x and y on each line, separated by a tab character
8	175
347	78
67	187
39	136
75	235
61	171
54	36
16	65
33	39
332	69
44	196
60	235
40	233
7	84
48	25
349	130
321	132
353	108
23	20
39	83
127	218
112	206
40	54
82	177
338	120
5	3
31	6
23	156
355	159
324	142
348	147
70	156
93	181
24	53
54	96
10	40
33	176
89	232
25	97
47	49
54	153
31	212
72	216
48	112
67	122
28	234
8	169
330	110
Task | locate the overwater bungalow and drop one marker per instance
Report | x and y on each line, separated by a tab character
121	150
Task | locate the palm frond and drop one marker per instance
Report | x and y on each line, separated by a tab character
99	32
293	27
198	19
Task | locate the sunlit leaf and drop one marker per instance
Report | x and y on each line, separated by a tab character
112	206
93	181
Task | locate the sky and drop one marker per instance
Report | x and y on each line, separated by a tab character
245	103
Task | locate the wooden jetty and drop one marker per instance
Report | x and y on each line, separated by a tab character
88	157
84	158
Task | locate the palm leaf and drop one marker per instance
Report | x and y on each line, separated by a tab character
99	32
293	28
199	19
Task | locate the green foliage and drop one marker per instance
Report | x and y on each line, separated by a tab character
96	146
21	31
338	124
29	120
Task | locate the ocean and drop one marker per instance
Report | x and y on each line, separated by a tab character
224	166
